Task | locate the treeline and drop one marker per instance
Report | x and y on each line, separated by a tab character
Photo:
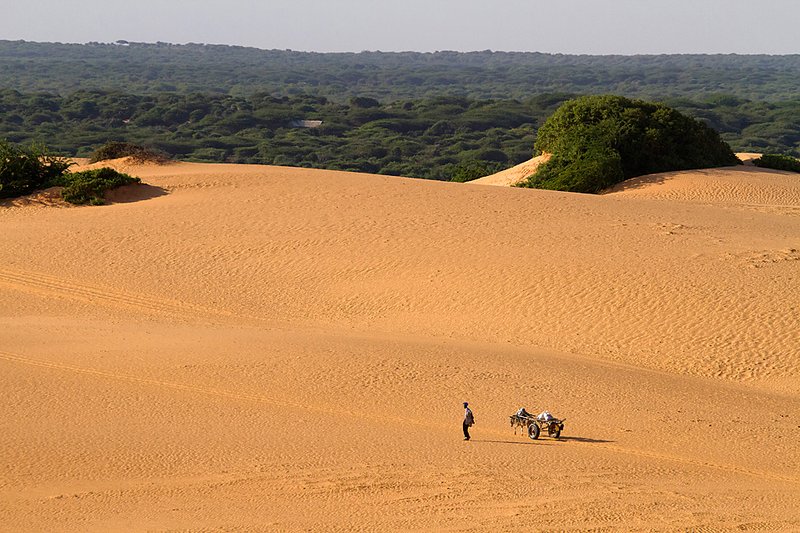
748	126
436	138
142	68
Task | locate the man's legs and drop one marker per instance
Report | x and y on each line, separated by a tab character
466	431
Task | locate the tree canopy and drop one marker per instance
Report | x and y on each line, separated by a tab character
146	68
597	141
436	115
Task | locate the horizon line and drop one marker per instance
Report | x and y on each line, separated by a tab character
125	42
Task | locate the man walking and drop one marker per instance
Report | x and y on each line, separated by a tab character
469	419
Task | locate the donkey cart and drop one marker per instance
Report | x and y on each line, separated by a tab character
535	425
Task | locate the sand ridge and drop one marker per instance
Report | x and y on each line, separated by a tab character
243	347
512	176
744	186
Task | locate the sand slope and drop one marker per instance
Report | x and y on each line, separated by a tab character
262	348
511	176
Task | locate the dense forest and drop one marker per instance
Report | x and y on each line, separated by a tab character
142	68
430	138
437	115
423	138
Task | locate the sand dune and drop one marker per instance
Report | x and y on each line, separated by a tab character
262	348
735	186
511	176
748	157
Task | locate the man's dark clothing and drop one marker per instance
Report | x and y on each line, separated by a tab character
469	419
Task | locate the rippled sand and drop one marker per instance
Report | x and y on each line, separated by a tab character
244	348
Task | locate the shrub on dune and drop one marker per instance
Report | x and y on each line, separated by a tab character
598	141
89	186
25	169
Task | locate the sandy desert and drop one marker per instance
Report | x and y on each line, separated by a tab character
253	348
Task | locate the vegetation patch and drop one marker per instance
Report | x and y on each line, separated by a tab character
138	153
148	68
424	137
89	186
778	162
598	141
409	114
25	169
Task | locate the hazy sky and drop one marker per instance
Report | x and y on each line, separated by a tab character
567	26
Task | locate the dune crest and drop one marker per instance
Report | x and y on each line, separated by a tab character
748	157
121	164
745	186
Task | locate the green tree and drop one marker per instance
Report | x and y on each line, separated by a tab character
597	141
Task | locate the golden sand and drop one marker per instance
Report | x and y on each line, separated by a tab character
250	348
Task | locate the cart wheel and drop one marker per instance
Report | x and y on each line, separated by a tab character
533	431
554	430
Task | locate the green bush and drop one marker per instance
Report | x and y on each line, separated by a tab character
592	171
88	187
778	162
117	149
597	141
23	170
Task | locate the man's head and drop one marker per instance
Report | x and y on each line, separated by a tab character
465	404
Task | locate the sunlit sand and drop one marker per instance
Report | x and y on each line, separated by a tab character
242	348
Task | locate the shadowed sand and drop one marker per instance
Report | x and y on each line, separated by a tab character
266	348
